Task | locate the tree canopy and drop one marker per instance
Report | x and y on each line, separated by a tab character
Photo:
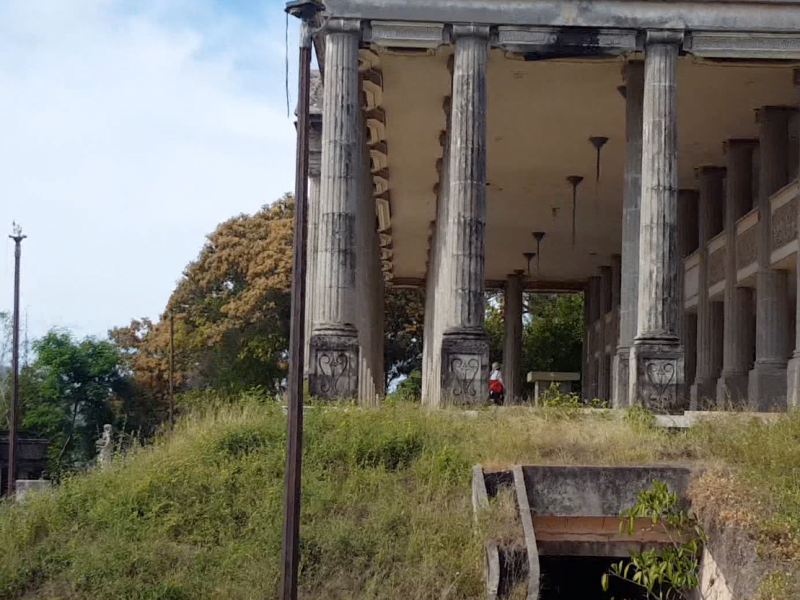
69	393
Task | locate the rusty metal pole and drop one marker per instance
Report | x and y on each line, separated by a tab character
14	409
290	556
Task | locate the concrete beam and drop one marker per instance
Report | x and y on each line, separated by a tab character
778	16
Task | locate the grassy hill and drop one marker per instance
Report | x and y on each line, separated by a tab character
386	505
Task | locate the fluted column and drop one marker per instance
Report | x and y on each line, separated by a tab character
465	347
314	162
687	244
657	355
334	340
512	343
606	304
593	312
793	372
768	379
629	284
739	335
709	314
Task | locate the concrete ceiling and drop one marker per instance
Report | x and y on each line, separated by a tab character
540	116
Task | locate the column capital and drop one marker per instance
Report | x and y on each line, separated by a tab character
630	67
762	111
339	25
741	142
708	170
471	30
672	37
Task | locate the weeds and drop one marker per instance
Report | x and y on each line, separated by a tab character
386	503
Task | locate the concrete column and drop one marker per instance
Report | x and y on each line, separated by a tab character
768	379
587	339
606	304
314	162
629	284
334	340
438	301
793	372
512	344
616	272
687	244
709	314
465	347
369	285
739	337
594	294
657	355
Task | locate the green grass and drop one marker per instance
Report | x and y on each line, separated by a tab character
386	500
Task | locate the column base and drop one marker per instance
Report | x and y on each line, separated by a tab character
620	386
766	387
703	394
732	390
793	383
657	375
334	362
465	366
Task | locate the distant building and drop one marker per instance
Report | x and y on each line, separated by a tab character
32	458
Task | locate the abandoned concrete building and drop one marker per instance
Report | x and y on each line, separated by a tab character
646	152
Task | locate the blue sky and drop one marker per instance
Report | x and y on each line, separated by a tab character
128	130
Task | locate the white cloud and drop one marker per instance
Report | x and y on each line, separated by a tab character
125	136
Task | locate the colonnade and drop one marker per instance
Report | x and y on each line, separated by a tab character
650	338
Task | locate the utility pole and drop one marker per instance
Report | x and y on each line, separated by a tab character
14	412
290	555
171	368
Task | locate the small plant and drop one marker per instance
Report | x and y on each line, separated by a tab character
669	573
555	398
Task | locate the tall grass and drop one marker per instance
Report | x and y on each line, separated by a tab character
386	501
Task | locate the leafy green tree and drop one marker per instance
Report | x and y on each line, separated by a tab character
69	393
552	334
404	314
552	338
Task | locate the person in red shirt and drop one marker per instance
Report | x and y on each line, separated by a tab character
496	388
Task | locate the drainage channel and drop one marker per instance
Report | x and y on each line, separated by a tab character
565	531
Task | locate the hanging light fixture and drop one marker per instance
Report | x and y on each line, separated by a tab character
529	256
574	181
598	141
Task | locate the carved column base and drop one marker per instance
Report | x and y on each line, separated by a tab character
732	390
465	366
703	394
793	383
657	375
621	378
334	362
766	387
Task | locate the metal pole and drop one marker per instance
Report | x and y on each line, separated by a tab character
290	556
171	369
14	411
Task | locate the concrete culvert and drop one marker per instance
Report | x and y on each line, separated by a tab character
560	529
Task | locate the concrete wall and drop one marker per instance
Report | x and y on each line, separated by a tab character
595	491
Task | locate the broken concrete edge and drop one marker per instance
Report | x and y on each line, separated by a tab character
27	487
735	550
530	536
480	497
492	570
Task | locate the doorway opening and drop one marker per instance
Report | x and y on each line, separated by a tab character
578	578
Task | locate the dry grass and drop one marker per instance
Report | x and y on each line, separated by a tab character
386	513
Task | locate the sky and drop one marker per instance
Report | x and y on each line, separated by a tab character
128	130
